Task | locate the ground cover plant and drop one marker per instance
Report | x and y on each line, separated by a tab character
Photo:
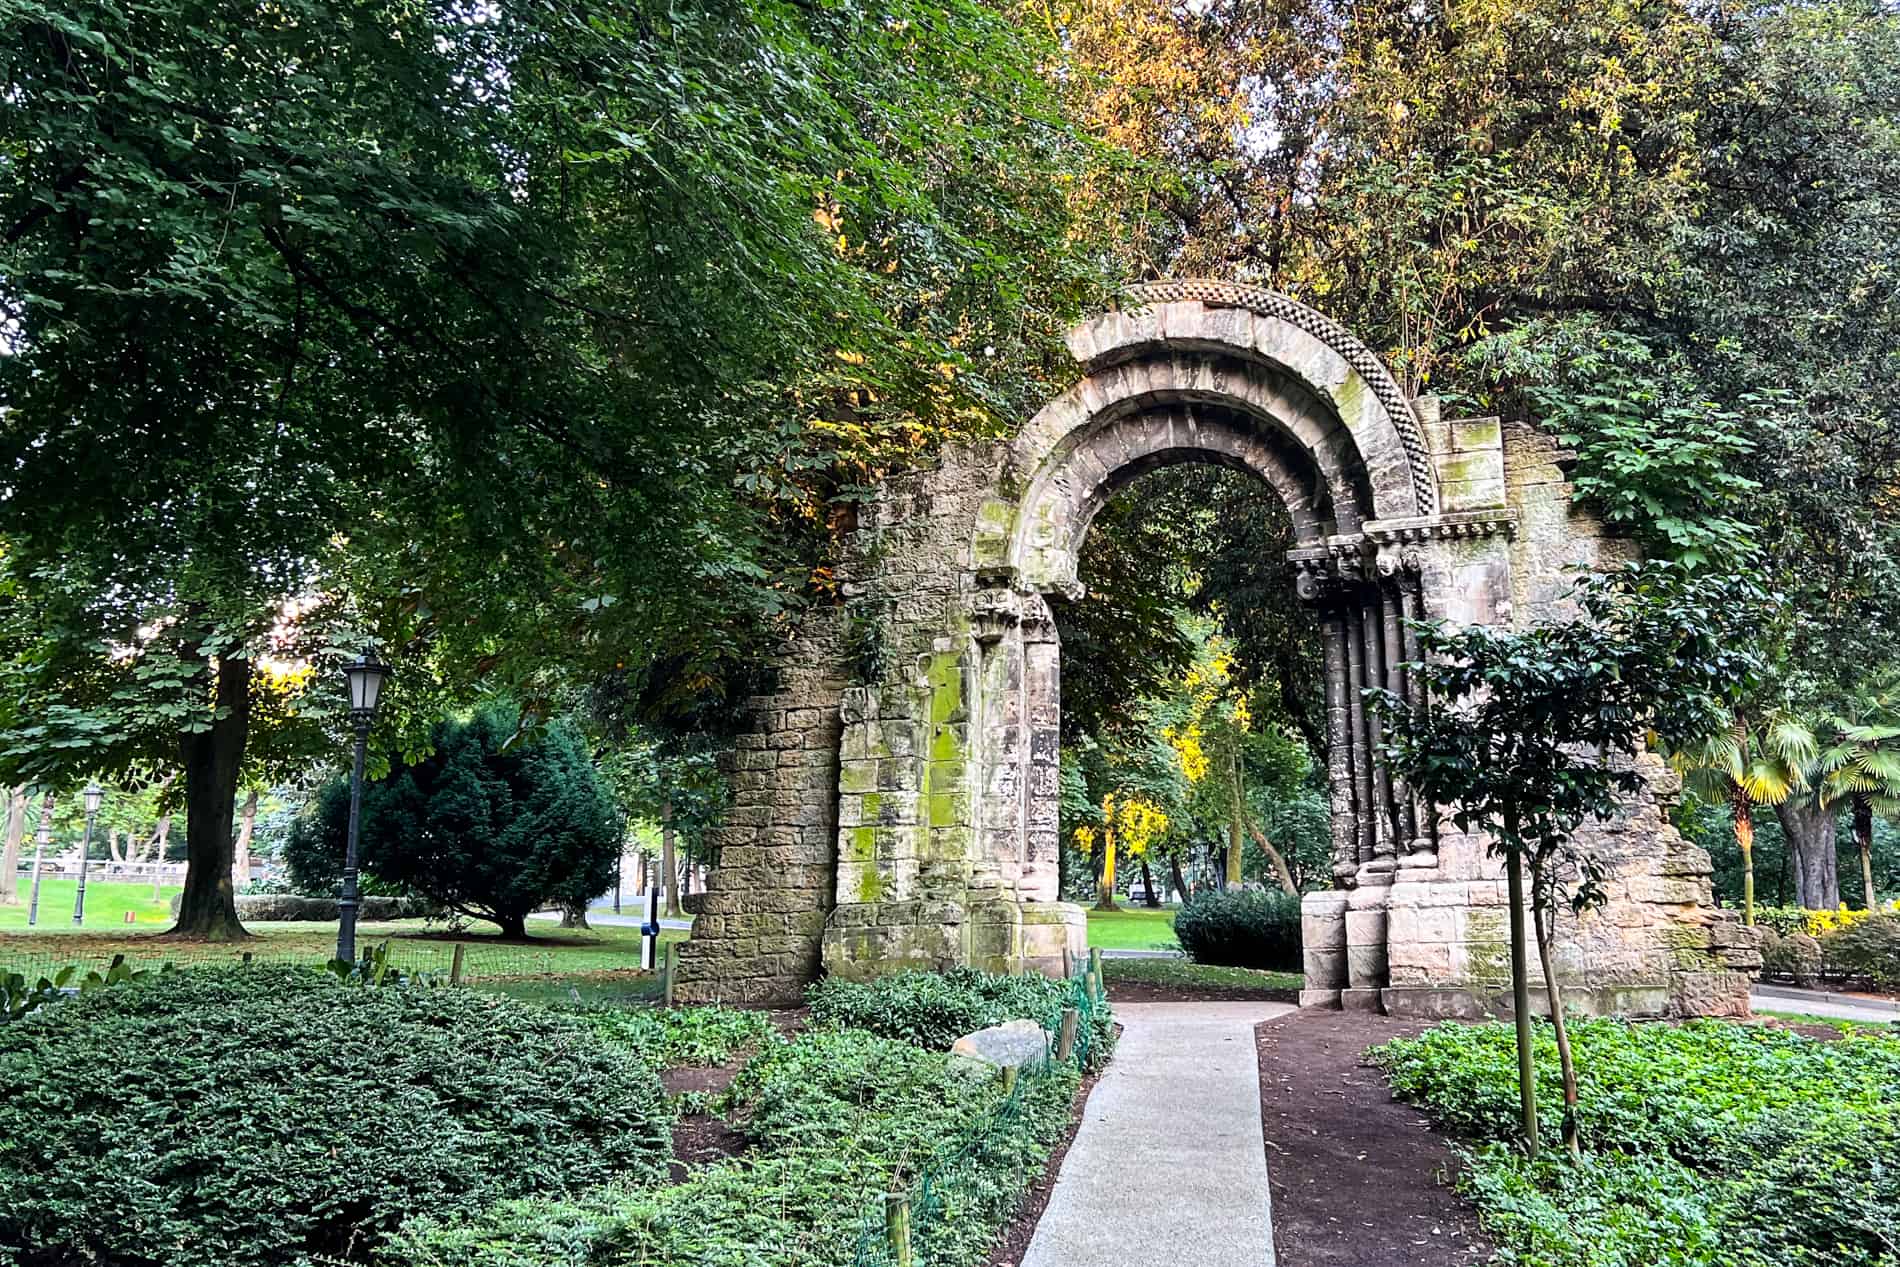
253	1117
670	1037
934	1009
833	1119
1706	1143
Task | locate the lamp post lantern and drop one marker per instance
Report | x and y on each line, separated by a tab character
366	675
93	796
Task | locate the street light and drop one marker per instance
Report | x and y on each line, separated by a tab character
366	675
93	795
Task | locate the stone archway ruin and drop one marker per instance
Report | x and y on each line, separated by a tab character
895	804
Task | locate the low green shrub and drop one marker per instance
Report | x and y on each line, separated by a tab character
1868	950
1242	929
836	1118
250	1117
670	1037
1713	1144
1795	956
934	1009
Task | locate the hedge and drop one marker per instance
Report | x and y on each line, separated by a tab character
253	1117
1246	928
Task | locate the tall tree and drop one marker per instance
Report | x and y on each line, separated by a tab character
432	310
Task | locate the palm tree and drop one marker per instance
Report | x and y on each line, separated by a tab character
1750	764
1862	766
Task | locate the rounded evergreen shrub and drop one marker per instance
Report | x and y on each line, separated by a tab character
485	825
1241	929
1868	950
252	1117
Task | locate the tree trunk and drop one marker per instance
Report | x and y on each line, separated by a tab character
669	862
1150	898
1745	841
1105	889
1521	1003
1864	839
574	915
1275	857
10	858
513	925
112	844
211	759
247	824
1180	881
1232	880
1810	829
1546	921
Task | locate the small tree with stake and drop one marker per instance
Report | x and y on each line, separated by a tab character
1531	731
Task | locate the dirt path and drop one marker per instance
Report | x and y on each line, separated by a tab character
1354	1173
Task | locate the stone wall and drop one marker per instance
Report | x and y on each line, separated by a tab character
1658	945
757	933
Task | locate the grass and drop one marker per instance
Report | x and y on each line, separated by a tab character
1840	1023
418	946
1132	928
107	903
1200	976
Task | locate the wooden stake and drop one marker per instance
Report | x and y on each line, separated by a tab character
897	1226
1065	1037
1068	964
1010	1074
455	964
672	967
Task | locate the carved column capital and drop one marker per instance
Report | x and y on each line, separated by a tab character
994	611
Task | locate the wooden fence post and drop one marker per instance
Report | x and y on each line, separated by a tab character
672	967
897	1226
455	964
1065	1037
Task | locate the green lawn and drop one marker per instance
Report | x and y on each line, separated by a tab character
1834	1022
418	946
1132	928
1181	974
106	906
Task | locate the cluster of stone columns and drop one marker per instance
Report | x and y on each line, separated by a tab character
1365	599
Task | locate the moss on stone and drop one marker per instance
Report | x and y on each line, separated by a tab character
1488	948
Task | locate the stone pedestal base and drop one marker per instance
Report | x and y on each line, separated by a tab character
866	940
1323	942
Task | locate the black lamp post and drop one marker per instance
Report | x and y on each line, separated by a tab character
366	675
93	795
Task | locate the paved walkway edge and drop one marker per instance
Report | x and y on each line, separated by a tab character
1169	1167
